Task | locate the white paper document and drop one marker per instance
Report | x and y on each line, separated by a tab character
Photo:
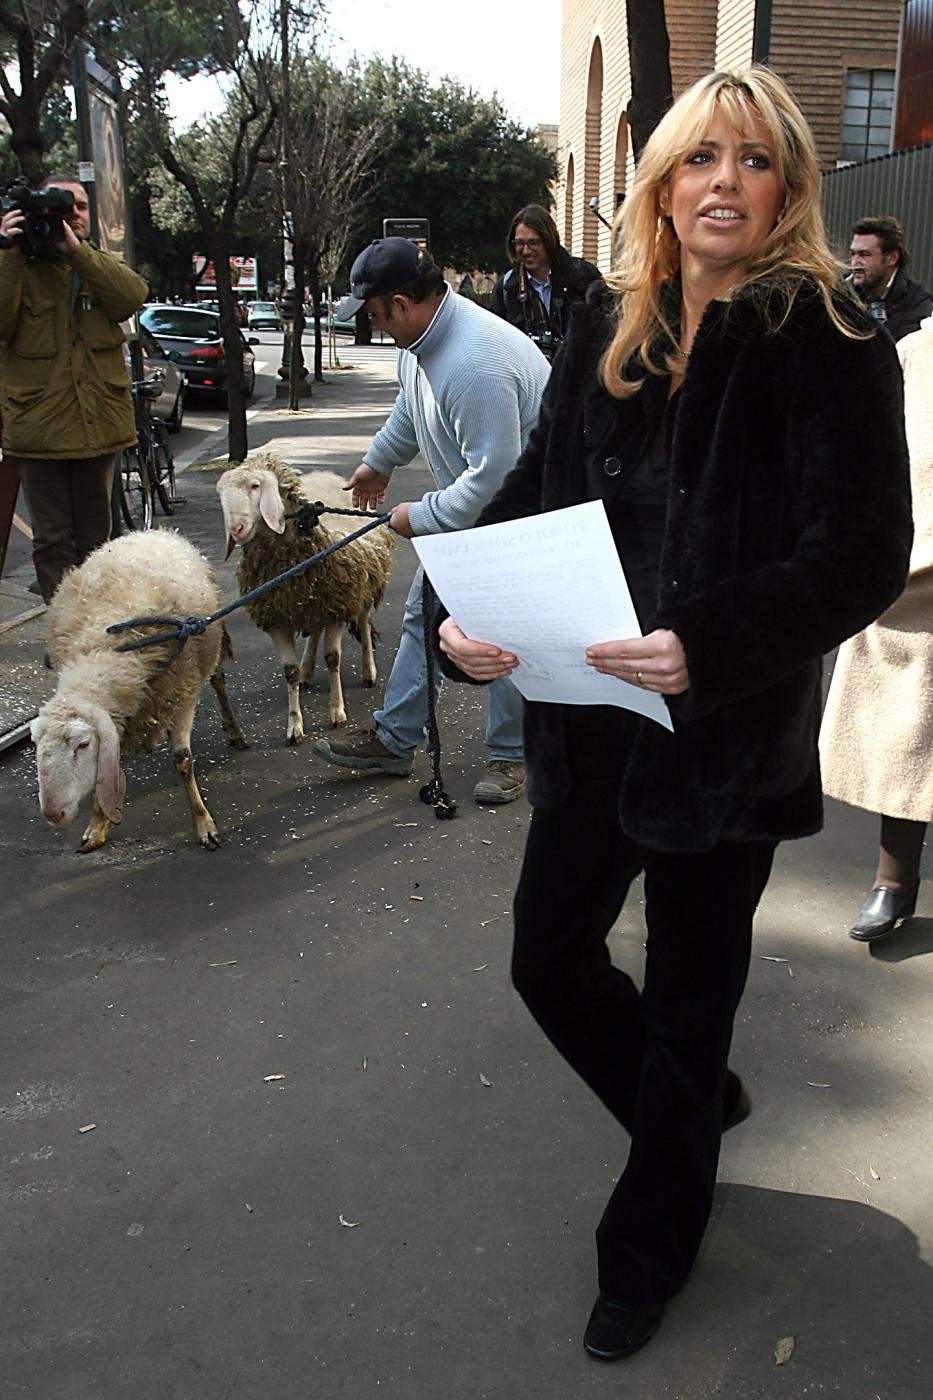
544	588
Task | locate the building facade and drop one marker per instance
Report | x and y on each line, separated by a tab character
839	57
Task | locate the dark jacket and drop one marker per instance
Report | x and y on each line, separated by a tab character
570	278
788	530
907	304
64	389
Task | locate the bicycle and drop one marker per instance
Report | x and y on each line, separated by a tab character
147	469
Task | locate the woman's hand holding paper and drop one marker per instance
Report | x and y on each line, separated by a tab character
481	661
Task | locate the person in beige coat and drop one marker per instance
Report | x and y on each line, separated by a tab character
876	744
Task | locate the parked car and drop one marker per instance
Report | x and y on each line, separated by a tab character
264	315
191	338
170	405
347	327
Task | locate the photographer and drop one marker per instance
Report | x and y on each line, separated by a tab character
544	281
65	399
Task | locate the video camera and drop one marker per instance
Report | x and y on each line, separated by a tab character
45	212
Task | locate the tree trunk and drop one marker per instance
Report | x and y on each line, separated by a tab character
296	364
26	142
318	333
237	445
364	330
650	65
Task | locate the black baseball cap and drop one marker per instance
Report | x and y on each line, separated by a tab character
386	265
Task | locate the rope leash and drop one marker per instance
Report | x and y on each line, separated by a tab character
307	518
433	792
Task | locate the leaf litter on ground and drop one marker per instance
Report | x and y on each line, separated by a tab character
784	1350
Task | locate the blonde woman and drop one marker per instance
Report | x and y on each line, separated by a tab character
743	424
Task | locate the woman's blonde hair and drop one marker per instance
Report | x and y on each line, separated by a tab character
796	250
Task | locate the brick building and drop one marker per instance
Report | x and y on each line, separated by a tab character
838	56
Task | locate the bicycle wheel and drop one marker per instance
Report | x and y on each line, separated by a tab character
164	473
135	490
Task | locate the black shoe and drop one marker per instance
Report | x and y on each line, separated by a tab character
738	1110
881	911
617	1330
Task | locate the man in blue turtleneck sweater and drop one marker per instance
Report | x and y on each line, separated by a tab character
470	389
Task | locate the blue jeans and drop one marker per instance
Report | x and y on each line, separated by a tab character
401	721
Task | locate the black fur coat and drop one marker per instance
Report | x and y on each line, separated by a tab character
788	530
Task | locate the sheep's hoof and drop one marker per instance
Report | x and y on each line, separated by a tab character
369	681
94	836
211	840
237	742
339	721
296	738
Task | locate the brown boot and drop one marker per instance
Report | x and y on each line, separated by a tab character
503	782
365	752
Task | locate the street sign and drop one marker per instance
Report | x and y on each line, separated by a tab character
418	230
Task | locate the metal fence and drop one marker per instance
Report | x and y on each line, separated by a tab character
900	184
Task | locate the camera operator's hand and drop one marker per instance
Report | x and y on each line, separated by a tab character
11	225
70	242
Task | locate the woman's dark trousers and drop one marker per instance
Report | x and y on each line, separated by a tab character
657	1059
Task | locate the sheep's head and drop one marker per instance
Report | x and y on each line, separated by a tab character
77	751
248	496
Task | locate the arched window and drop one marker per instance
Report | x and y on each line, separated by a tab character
568	206
594	113
620	171
621	160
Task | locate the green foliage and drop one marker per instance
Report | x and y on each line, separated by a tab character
186	38
450	156
164	217
59	137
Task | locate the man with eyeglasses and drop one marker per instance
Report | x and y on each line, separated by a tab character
544	281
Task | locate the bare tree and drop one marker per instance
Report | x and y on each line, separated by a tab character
38	35
328	175
238	141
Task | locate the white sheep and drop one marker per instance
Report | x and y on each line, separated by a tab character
107	699
342	590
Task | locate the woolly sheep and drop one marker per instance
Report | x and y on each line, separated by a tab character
342	590
107	698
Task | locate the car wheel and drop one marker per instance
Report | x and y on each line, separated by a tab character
177	415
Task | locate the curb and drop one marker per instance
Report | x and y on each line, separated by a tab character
207	449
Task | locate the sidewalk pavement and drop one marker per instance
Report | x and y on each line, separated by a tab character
332	1155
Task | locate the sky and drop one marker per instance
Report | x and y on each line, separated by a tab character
511	50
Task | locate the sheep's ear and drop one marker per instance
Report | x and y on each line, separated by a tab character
111	784
270	504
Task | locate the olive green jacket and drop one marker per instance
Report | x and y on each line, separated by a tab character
64	388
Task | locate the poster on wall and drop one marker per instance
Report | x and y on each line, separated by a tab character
243	274
109	184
